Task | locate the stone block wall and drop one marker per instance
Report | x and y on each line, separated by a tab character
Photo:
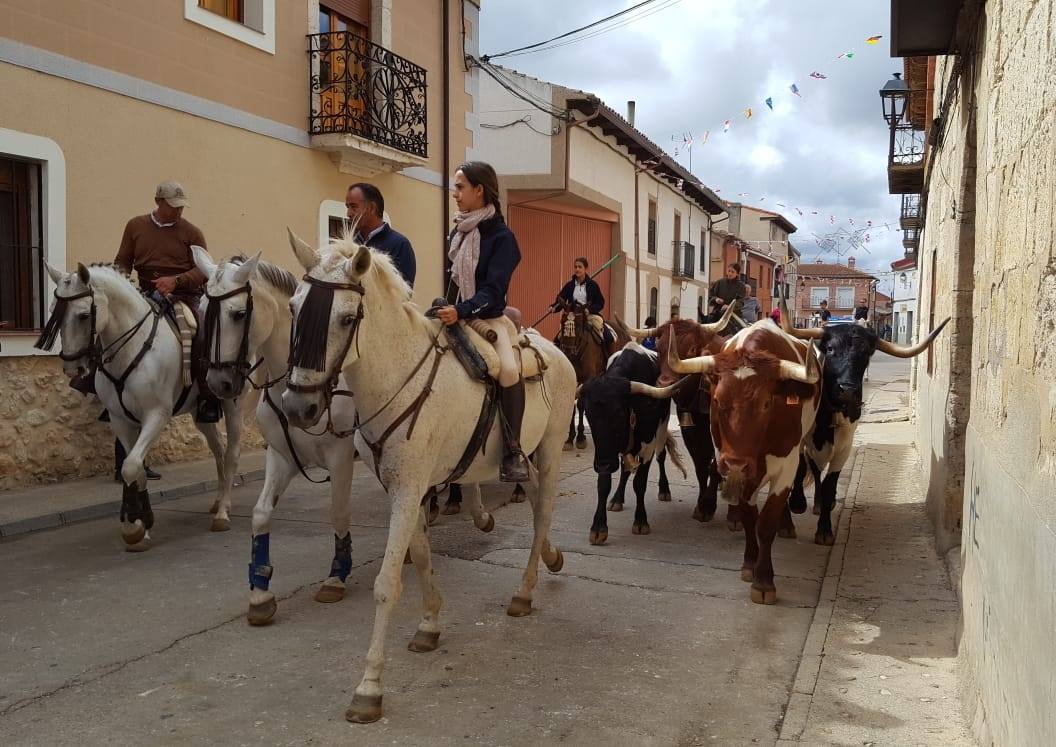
49	432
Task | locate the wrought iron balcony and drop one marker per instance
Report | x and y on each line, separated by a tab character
685	260
911	239
905	155
367	104
910	216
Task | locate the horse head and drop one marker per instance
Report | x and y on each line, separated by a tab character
75	319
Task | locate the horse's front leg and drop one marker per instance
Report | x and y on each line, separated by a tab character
333	589
137	517
427	636
641	520
406	507
233	425
581	433
222	504
571	432
278	471
664	494
482	519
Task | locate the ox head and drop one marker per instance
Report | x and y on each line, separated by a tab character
624	413
846	350
760	382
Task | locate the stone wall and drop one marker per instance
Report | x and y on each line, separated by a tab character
987	406
49	432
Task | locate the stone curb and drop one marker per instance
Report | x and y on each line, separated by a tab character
797	711
106	509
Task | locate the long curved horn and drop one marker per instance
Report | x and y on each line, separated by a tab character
806	372
716	327
812	333
701	364
909	351
633	332
656	392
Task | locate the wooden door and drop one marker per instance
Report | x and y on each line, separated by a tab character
342	69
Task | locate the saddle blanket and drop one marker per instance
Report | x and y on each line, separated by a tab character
533	360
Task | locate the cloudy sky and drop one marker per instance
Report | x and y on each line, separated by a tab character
695	63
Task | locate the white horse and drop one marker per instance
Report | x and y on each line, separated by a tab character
418	410
106	324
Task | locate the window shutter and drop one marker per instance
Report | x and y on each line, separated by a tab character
354	10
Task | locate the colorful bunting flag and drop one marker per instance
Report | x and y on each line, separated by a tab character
748	113
704	139
794	89
873	39
848	55
799	211
726	125
818	76
770	103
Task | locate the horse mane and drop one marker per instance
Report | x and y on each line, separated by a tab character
278	278
108	272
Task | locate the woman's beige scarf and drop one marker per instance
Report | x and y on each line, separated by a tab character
464	252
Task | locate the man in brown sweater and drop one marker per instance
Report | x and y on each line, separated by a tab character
158	247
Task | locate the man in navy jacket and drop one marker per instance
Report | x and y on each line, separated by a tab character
366	205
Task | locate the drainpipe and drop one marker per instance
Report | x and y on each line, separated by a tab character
445	145
637	230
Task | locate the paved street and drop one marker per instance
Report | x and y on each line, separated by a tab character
646	640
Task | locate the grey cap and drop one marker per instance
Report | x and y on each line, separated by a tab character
172	193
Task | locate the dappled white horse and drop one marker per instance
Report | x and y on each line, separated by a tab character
108	326
418	410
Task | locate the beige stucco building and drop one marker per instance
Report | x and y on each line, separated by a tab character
579	179
101	101
986	394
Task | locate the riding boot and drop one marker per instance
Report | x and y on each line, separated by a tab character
208	404
514	462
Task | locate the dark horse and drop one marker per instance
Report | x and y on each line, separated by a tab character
585	349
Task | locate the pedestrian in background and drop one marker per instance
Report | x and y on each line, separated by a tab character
750	308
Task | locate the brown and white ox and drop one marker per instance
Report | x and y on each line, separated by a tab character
765	390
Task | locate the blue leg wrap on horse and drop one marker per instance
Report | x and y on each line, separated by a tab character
342	564
259	564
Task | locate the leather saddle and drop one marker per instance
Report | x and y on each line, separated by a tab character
532	359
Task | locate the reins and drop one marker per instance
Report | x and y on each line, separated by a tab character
241	365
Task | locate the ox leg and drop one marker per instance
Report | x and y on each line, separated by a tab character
763	589
816	471
333	589
664	494
748	513
427	636
616	504
786	528
599	530
278	471
366	705
454	500
797	499
641	480
827	499
581	434
702	452
483	520
735	517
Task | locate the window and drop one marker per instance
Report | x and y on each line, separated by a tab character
22	286
341	69
654	302
651	239
678	228
703	252
845	298
251	22
817	295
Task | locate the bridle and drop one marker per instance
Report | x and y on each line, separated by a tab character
241	365
91	349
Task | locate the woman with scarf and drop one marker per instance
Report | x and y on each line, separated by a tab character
484	253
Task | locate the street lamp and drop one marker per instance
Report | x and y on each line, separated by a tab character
902	279
894	96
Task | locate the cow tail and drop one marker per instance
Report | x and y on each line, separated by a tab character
671	446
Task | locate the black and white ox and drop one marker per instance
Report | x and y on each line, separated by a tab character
628	417
845	350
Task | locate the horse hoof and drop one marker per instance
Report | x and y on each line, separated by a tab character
824	538
640	529
598	538
518	494
734	526
764	596
747	575
615	507
703	516
787	532
133	534
568	446
434	514
817	510
215	507
220	525
519	607
328	594
557	563
365	709
424	642
262	614
486	524
664	496
450	509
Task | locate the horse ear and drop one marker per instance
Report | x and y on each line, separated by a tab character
360	263
83	274
246	269
307	256
203	261
56	275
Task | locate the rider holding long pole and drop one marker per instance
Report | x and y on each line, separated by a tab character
583	291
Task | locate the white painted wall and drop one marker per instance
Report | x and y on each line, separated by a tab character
904	300
513	135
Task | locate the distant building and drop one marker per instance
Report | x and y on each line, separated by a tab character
757	239
905	317
842	286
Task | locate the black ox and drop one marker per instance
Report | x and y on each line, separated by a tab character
845	351
628	416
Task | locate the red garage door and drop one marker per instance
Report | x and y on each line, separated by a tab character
549	243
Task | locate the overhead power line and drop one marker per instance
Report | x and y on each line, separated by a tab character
573	32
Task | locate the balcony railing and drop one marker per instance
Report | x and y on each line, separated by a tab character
905	154
910	216
359	88
911	239
685	256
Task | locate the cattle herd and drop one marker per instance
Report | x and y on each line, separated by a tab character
769	407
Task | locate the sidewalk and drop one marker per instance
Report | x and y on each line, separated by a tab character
30	509
879	666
